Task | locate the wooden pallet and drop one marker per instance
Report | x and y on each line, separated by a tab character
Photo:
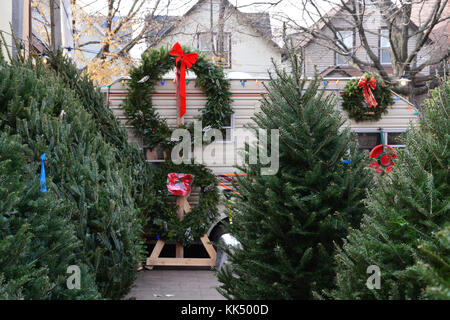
179	259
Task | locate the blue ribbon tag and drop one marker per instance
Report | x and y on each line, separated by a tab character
43	184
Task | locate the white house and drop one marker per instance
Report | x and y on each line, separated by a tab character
248	46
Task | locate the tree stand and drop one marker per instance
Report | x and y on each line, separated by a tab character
179	260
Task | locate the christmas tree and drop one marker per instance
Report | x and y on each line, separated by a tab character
434	267
37	242
288	223
406	210
94	186
129	156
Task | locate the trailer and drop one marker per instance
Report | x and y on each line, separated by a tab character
247	93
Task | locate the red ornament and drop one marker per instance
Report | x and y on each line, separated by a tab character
186	62
367	85
382	158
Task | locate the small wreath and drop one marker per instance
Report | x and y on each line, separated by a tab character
355	101
139	108
195	223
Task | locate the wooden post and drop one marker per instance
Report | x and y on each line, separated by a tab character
183	206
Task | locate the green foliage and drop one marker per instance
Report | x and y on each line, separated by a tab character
37	241
165	223
434	266
129	156
93	185
405	211
139	107
354	103
288	223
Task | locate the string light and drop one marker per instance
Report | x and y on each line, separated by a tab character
337	81
256	82
187	81
163	82
44	59
174	80
243	83
409	107
324	82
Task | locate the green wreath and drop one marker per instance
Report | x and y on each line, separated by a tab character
154	130
139	108
195	224
355	104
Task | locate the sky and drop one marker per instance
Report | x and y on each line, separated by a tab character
290	8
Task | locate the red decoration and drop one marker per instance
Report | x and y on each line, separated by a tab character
367	85
383	159
186	62
179	184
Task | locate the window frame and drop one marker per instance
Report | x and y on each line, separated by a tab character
352	30
385	134
228	65
380	38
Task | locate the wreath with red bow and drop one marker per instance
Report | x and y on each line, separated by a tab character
155	63
366	98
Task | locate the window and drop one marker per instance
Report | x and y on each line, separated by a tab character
368	140
210	49
227	129
346	36
393	139
385	54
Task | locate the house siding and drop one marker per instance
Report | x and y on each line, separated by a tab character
399	116
318	55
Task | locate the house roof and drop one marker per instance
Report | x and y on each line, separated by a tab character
259	21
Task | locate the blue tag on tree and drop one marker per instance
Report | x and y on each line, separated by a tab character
43	184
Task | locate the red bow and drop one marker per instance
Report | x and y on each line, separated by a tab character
187	61
179	184
366	85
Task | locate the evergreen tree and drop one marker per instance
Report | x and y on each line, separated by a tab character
129	156
405	209
37	242
88	178
287	223
434	267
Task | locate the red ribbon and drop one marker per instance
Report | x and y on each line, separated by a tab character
186	62
179	184
366	85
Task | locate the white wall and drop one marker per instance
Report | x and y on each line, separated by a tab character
250	52
5	20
